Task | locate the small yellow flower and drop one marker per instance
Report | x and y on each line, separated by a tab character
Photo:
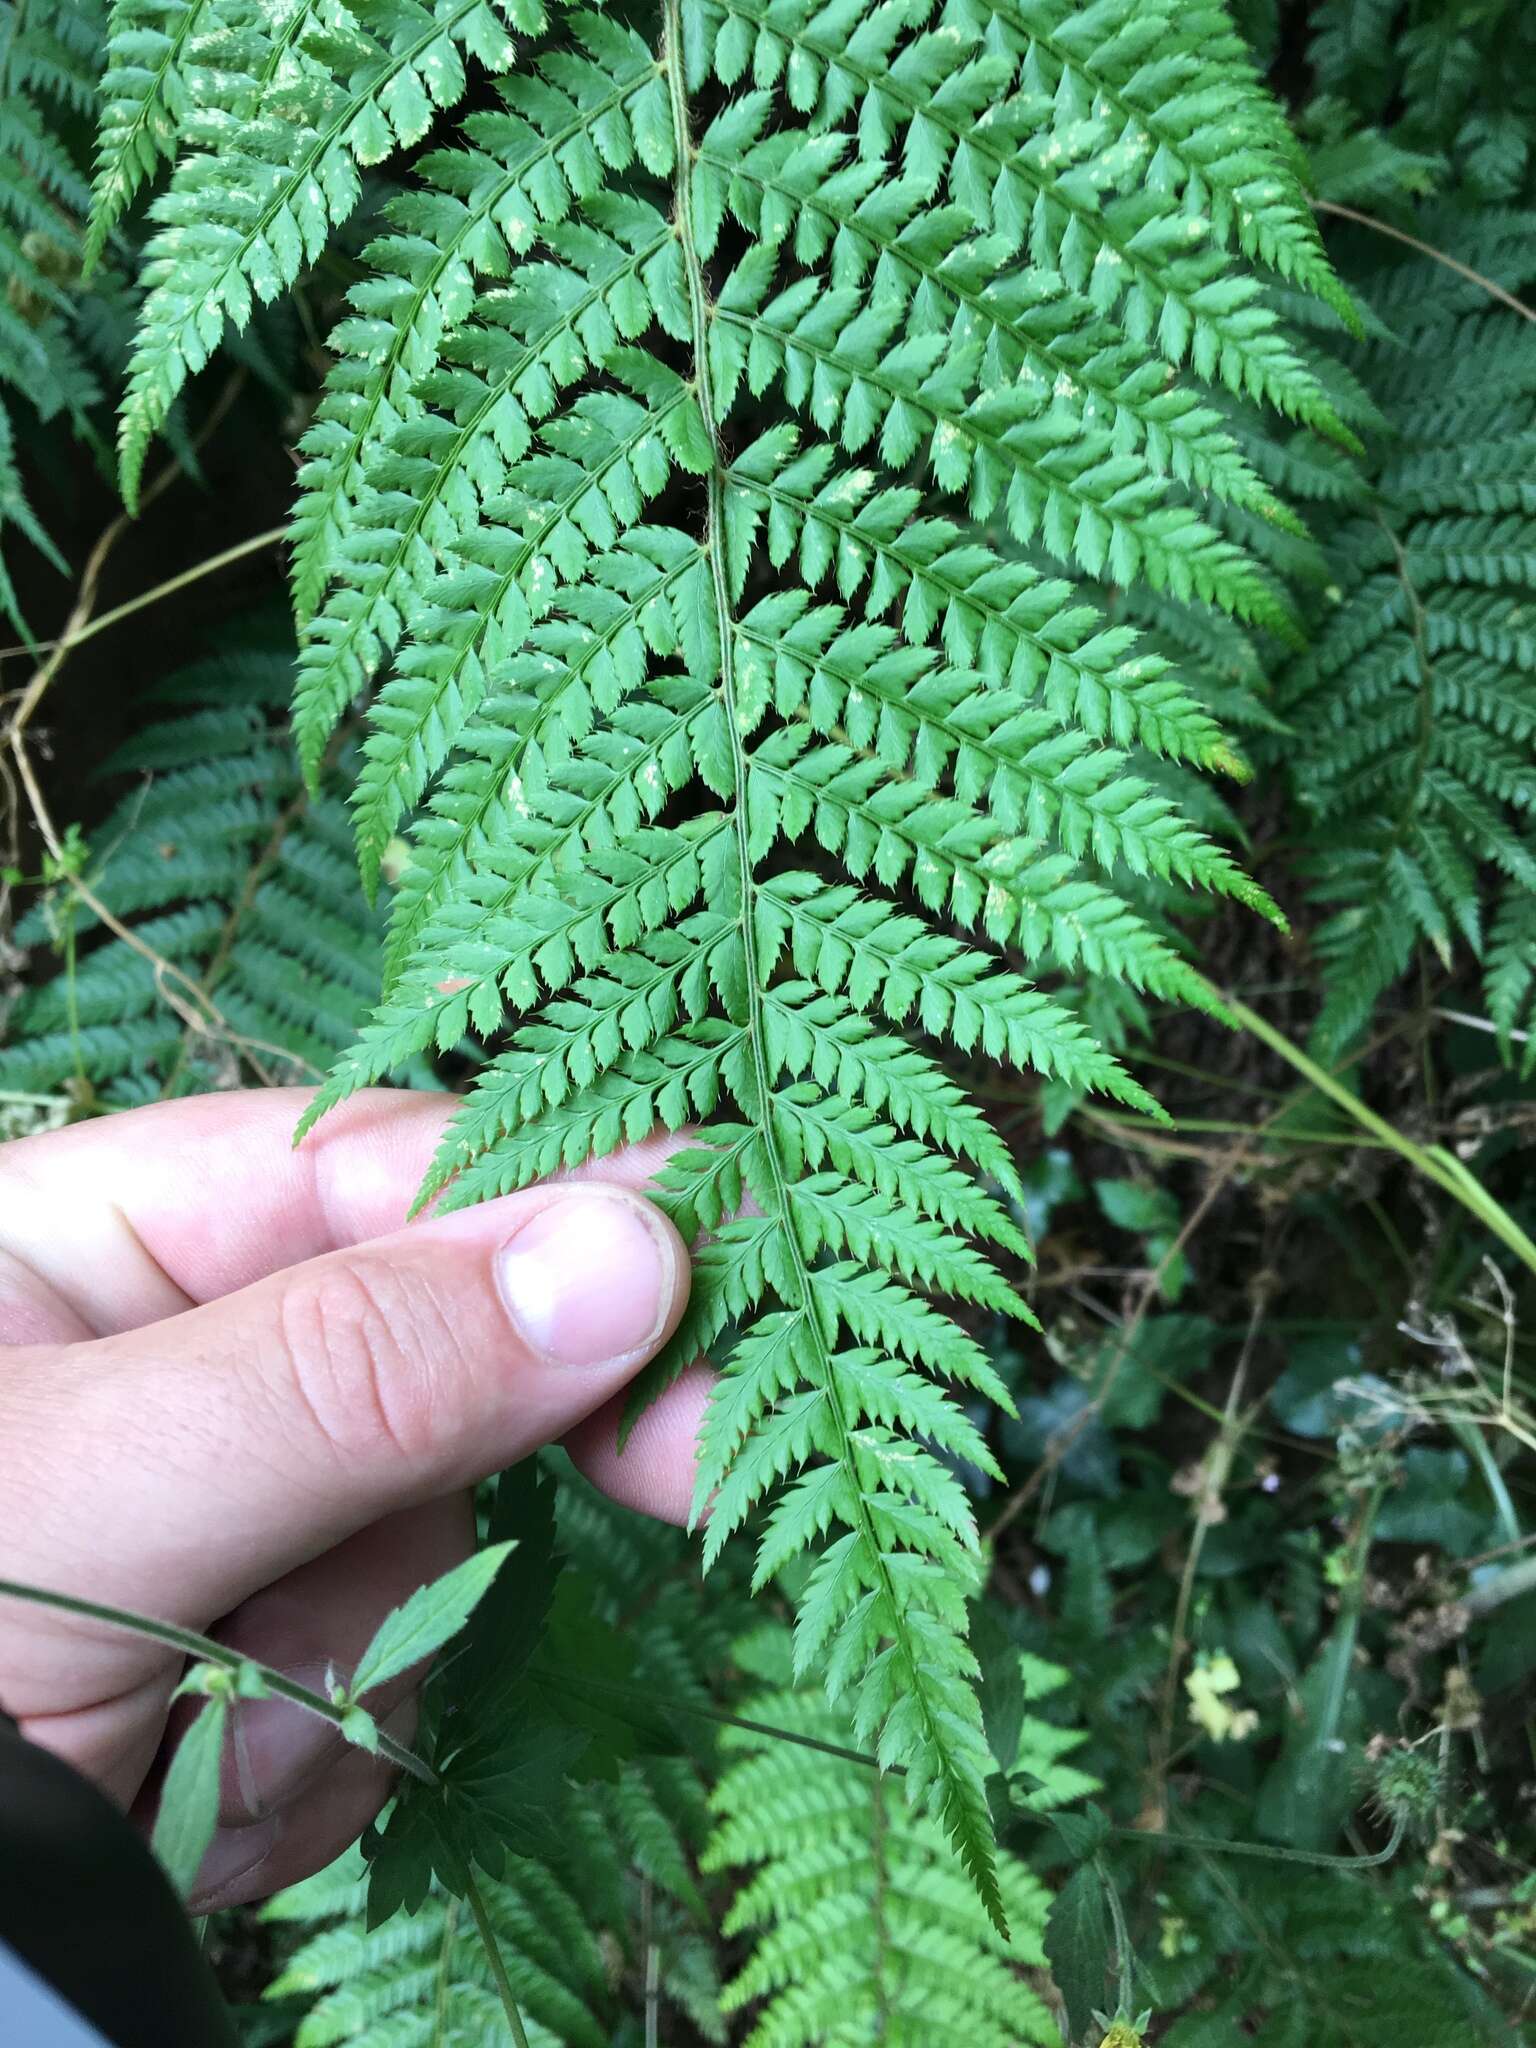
1221	1719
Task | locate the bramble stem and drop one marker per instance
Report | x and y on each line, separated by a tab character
210	1652
1269	1852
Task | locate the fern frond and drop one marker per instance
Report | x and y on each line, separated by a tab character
49	57
861	1931
226	871
711	737
1416	705
375	1985
477	211
147	96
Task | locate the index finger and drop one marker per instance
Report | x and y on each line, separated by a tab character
110	1225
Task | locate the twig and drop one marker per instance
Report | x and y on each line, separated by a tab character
68	641
1218	1469
256	874
194	1006
1366	220
197	1010
652	1964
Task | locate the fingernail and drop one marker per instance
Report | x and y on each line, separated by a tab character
589	1279
233	1855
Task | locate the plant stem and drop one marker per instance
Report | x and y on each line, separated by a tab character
488	1941
1215	1843
210	566
1510	1584
716	1714
1124	1958
1381	227
1218	1467
755	1092
1268	1852
877	1847
444	1970
209	1652
652	1964
1433	1161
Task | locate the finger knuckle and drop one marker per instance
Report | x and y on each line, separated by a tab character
363	1346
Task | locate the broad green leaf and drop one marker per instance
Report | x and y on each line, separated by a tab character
1078	1945
512	1618
1000	1686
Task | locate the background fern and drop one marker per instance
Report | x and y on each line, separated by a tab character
863	1930
49	54
1413	705
250	954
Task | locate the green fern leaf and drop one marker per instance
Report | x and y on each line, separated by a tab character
146	101
860	1930
1415	706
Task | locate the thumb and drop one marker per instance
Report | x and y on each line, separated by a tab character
222	1447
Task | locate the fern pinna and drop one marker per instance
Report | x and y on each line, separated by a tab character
717	452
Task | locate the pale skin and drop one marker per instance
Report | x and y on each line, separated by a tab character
240	1393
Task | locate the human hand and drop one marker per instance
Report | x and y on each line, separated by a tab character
240	1397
